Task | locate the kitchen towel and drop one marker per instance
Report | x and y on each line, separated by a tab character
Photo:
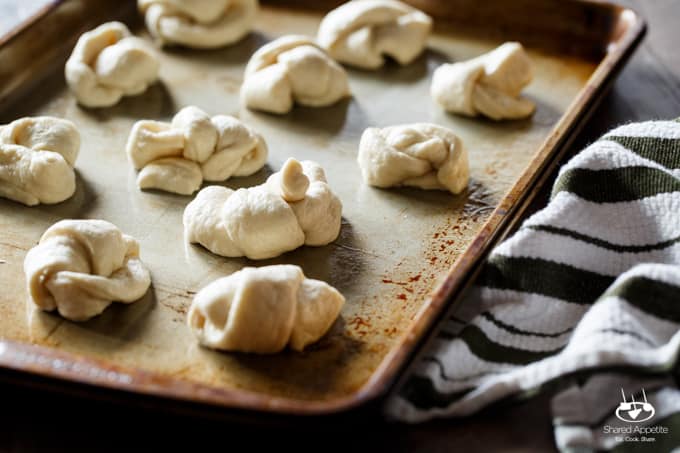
584	298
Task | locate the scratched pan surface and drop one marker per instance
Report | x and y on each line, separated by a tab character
395	247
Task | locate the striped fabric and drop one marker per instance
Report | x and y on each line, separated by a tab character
587	285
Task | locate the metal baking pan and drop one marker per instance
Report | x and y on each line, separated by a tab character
403	256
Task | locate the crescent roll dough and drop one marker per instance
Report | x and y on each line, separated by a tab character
263	310
80	267
37	156
294	207
488	85
178	156
109	63
361	33
419	155
200	24
292	69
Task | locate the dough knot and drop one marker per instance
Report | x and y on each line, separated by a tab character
80	267
267	220
362	33
108	63
489	85
292	69
419	155
199	23
178	156
263	310
37	156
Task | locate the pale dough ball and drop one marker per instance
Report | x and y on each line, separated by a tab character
109	63
201	24
488	85
80	267
37	156
294	207
178	156
419	155
361	33
263	310
292	69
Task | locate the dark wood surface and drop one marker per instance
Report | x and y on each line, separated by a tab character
33	420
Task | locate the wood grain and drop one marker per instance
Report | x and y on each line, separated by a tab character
32	420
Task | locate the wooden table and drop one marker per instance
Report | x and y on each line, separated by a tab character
32	420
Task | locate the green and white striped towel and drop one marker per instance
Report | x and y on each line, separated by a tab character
584	293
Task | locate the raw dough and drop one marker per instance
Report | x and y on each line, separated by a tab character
489	85
420	155
81	266
109	63
294	207
178	156
292	69
37	156
201	24
361	33
262	310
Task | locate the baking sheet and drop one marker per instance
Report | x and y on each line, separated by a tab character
394	248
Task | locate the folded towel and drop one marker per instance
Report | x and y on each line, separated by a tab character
585	296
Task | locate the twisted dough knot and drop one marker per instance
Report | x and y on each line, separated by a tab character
420	155
200	24
37	156
81	266
264	309
178	156
109	63
362	33
293	207
489	84
292	69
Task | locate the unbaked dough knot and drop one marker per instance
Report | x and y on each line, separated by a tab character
292	69
263	310
294	207
489	85
362	33
108	63
37	156
420	155
199	23
80	267
178	156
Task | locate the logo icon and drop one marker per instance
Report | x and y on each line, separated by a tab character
634	411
